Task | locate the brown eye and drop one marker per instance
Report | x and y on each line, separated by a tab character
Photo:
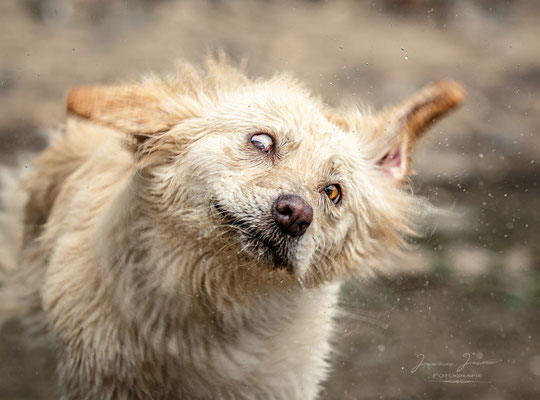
333	192
263	142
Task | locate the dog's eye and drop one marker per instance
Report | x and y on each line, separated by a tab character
333	192
263	142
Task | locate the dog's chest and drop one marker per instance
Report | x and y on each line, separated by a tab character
277	353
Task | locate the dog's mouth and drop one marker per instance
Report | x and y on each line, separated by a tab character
260	238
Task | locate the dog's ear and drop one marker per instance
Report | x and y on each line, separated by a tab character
400	127
139	109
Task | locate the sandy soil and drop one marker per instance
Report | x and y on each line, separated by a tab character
473	286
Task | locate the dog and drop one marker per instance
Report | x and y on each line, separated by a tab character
186	237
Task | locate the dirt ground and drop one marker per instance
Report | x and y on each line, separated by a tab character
470	293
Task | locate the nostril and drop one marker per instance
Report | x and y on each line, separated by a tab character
284	208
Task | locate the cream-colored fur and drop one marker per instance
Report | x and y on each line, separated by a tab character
144	232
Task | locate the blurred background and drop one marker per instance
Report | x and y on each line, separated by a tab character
470	290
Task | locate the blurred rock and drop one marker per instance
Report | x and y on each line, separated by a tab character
518	261
415	263
534	365
51	12
469	261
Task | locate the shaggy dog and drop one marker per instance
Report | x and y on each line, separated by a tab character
186	237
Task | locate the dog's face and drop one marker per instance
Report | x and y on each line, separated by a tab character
276	173
262	172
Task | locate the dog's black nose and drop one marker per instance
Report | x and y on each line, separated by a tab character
292	214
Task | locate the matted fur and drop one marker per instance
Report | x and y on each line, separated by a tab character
139	253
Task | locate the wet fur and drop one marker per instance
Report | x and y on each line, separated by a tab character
140	251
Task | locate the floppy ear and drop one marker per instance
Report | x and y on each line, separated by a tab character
138	109
399	128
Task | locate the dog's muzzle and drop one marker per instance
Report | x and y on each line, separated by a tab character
275	233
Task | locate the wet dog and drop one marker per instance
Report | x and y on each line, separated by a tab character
186	237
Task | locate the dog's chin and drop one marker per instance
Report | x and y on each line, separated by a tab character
260	241
265	252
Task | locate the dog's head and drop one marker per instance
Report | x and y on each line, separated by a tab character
261	174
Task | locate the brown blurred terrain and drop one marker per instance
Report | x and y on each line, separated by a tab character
471	287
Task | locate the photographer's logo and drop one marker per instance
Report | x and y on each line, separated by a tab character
468	370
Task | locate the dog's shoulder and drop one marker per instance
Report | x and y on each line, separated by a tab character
79	147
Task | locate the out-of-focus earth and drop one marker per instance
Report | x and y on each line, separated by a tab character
461	317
